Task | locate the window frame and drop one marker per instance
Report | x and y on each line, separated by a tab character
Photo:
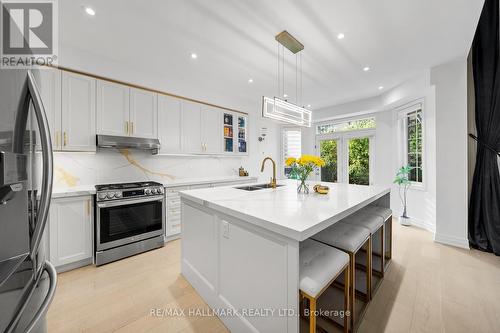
402	113
343	138
281	163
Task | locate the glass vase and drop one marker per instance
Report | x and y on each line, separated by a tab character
302	187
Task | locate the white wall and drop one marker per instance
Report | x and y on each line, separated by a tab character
450	81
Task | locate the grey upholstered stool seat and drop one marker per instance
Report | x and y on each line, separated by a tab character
383	212
343	236
349	238
365	218
319	266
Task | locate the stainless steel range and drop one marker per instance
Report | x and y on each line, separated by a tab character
130	218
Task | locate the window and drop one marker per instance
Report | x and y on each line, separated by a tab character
351	125
346	146
412	147
292	146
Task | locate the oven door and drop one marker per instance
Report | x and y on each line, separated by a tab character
126	221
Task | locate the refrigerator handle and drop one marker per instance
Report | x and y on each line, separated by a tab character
46	189
51	272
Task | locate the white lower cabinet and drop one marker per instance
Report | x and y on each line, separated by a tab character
71	232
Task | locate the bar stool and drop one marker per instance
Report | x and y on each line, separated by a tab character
373	223
349	238
386	214
319	266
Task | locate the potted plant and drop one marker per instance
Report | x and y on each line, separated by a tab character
302	168
403	181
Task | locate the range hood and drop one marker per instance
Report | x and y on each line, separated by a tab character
113	141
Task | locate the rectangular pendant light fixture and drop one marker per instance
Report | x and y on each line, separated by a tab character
278	109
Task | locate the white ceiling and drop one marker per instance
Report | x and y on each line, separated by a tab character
234	40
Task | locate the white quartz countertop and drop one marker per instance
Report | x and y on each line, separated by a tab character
82	190
207	180
76	191
283	210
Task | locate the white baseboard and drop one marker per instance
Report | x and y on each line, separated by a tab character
426	225
452	240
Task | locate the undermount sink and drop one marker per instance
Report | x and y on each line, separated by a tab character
255	187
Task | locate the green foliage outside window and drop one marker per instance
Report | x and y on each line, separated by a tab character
359	161
328	151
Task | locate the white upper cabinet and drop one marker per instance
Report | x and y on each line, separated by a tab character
112	108
78	112
211	130
143	113
191	127
49	83
170	124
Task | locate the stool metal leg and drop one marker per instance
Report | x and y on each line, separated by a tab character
352	267
369	260
312	315
382	250
346	298
388	252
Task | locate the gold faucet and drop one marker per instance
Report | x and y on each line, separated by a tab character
273	179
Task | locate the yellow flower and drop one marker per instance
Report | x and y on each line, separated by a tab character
311	159
289	161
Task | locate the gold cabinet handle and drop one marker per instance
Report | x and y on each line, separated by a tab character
131	127
57	138
126	127
65	138
88	207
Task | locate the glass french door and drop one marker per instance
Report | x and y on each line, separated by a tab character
359	160
347	158
329	150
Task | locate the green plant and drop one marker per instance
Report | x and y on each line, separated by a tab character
403	181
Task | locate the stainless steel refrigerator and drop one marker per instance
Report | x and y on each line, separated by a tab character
27	279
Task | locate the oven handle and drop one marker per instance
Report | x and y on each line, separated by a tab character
127	202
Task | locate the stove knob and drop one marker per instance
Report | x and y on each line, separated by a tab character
147	191
110	195
160	190
118	194
155	191
102	196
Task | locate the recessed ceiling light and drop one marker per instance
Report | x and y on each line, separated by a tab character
340	36
285	95
194	56
366	69
250	80
89	11
308	105
380	87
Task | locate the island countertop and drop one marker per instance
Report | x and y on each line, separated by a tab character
283	210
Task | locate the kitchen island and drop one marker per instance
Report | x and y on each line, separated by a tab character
240	246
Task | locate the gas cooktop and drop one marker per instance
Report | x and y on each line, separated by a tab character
124	186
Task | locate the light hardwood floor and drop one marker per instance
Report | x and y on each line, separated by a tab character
428	288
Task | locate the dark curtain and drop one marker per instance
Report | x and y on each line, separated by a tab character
484	207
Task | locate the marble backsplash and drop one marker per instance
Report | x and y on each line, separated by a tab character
110	166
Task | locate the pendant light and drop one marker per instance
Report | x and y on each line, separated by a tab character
282	109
